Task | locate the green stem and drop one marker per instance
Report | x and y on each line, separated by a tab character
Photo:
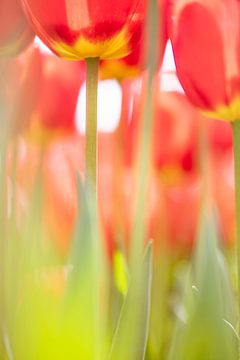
146	131
236	148
91	124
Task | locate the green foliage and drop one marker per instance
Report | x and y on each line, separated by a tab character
207	330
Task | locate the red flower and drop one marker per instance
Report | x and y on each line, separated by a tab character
77	29
54	112
19	89
135	62
15	33
206	43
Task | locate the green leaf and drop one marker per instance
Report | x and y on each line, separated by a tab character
129	342
205	335
120	272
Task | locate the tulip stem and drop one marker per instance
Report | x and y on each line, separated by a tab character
236	148
91	124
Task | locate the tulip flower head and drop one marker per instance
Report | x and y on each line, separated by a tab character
131	66
54	113
206	43
15	32
78	29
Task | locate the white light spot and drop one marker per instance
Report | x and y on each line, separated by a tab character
109	106
168	59
43	48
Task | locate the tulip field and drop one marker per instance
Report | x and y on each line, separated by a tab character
120	180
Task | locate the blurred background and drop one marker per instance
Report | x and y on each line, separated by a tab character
153	276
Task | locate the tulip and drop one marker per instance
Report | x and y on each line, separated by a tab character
59	164
206	45
48	145
77	29
175	188
131	65
91	30
16	34
176	180
19	89
54	113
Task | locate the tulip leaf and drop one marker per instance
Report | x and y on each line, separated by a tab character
81	305
205	335
120	272
130	338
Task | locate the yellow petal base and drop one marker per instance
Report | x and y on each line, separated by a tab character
228	113
117	69
113	48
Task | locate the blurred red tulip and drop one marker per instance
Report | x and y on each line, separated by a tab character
223	192
176	178
175	184
78	29
175	188
175	142
59	164
16	34
206	43
220	137
19	89
131	65
62	160
54	113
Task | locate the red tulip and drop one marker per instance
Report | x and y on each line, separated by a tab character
175	188
175	145
206	43
15	33
127	67
223	190
54	113
19	89
59	162
78	29
135	62
220	137
176	181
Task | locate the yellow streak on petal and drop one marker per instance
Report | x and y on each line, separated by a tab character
229	112
113	48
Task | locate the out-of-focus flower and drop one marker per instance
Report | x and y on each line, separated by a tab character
76	29
220	137
59	163
222	174
206	42
175	140
131	65
19	89
223	192
16	33
54	113
175	185
51	117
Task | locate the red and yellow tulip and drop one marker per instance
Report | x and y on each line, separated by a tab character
206	42
131	65
54	113
78	29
